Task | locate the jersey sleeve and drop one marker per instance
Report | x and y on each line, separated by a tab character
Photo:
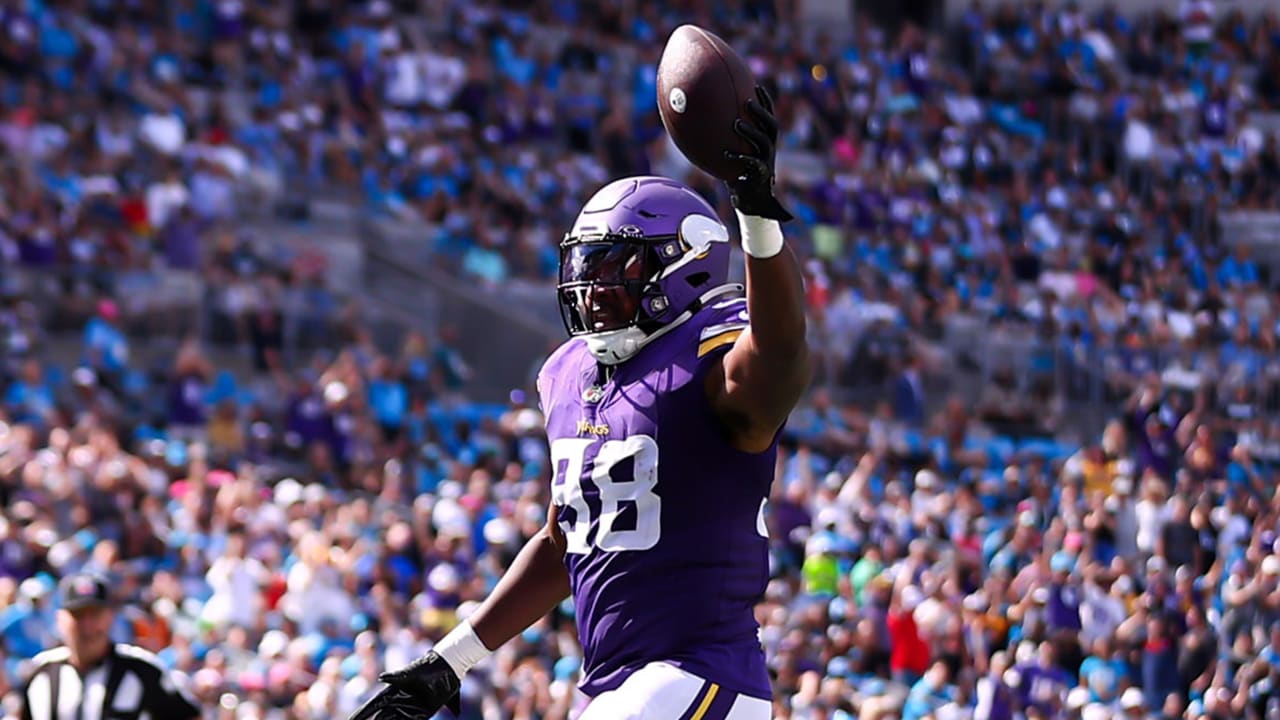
167	694
724	323
25	714
540	385
545	383
171	699
37	682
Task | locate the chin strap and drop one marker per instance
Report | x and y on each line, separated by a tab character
605	355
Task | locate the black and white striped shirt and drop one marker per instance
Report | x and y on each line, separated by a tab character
129	684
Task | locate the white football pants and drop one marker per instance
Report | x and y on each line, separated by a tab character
660	691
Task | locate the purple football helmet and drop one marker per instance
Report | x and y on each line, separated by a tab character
641	257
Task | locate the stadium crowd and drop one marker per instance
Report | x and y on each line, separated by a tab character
280	535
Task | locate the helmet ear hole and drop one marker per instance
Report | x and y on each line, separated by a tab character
698	279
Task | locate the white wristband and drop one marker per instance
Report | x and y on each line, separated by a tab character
462	648
761	237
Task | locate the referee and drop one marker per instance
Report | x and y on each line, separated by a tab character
92	678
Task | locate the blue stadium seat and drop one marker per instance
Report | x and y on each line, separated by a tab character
223	387
938	446
999	450
55	375
136	382
144	432
1047	448
914	440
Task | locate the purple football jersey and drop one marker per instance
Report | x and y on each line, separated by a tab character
664	521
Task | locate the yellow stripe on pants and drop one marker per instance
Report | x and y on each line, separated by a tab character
706	702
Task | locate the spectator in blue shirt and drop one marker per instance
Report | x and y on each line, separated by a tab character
929	693
30	397
106	349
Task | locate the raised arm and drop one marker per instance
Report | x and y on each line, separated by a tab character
763	375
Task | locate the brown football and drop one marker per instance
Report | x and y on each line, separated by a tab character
703	86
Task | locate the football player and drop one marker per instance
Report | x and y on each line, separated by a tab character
662	412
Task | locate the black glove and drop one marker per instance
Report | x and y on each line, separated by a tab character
415	692
752	191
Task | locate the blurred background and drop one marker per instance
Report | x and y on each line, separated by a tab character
274	283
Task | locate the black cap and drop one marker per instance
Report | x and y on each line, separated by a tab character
83	590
